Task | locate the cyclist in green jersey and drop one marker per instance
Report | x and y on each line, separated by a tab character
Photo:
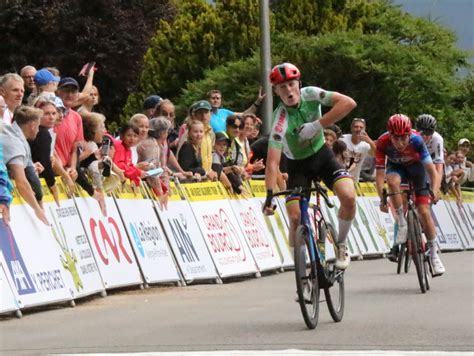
297	131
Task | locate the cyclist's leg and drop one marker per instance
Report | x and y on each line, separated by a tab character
340	181
395	174
423	206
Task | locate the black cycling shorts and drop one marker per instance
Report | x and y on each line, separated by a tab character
320	166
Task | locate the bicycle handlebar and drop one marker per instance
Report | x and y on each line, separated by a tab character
302	191
408	192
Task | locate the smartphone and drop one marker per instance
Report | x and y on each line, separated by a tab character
105	148
86	69
156	172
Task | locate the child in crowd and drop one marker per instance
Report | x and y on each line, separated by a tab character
219	158
189	154
455	174
329	137
123	153
141	122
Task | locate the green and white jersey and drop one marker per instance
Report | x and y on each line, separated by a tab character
287	120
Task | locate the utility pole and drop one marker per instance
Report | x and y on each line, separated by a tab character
265	64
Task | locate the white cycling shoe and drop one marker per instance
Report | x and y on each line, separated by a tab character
436	265
342	257
401	232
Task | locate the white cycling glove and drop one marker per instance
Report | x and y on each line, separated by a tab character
309	130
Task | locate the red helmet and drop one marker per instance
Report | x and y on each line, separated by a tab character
283	73
399	124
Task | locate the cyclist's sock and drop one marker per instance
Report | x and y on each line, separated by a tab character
401	216
344	227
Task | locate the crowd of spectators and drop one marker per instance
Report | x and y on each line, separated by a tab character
49	129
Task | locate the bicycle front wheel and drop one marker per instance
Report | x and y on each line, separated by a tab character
414	234
335	294
307	285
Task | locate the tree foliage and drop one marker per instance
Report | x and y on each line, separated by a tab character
67	34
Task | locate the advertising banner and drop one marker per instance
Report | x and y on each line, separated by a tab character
185	238
146	235
76	253
33	259
446	234
380	223
276	224
9	301
109	242
220	228
459	217
259	239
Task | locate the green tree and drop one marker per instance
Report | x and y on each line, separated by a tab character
200	37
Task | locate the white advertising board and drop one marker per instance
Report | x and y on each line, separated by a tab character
446	234
76	253
109	242
186	239
147	237
34	259
9	301
220	228
259	239
459	218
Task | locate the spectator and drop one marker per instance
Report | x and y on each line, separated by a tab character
5	187
189	154
248	126
336	129
464	145
201	111
46	83
255	135
42	147
454	174
28	75
229	175
259	151
123	154
150	104
89	96
329	137
3	107
166	108
69	134
219	115
152	152
91	100
359	145
12	90
367	173
17	154
142	123
235	152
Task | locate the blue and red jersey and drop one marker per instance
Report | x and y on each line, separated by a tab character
416	151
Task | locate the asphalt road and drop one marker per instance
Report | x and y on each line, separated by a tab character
384	311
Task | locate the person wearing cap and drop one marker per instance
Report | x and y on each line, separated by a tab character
219	158
12	90
17	155
69	133
28	74
464	146
201	111
46	83
150	104
219	114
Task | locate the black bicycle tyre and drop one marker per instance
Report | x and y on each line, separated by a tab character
310	311
401	257
336	308
407	261
414	234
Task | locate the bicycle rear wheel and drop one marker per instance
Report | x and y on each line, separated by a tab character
335	294
401	257
414	233
307	285
407	261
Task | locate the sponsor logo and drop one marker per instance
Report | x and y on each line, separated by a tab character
280	121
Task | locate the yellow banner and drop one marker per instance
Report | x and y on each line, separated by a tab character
204	191
467	197
130	191
367	190
258	188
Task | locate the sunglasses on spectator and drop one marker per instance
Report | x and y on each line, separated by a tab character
235	126
215	97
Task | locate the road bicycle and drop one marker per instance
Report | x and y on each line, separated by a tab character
414	248
312	270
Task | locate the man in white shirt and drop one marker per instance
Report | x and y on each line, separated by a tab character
12	90
359	146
